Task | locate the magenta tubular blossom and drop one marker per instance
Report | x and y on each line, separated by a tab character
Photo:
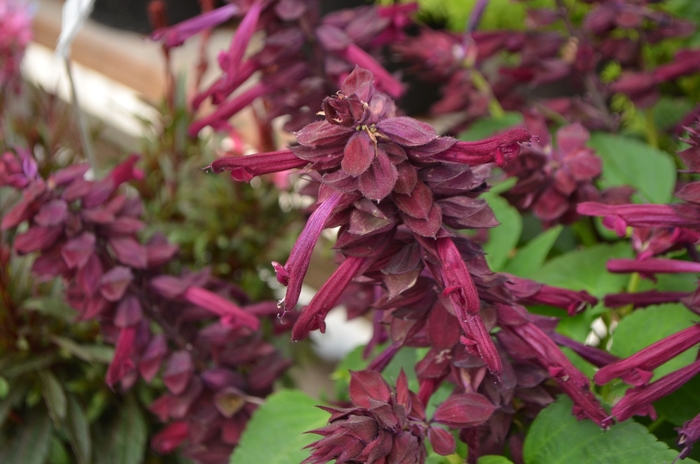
121	363
385	81
638	401
231	314
225	85
500	149
465	301
571	380
688	435
244	168
637	215
293	272
652	266
313	316
636	369
240	40
529	292
643	299
176	35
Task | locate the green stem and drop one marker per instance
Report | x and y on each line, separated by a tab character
483	86
651	132
584	230
656	424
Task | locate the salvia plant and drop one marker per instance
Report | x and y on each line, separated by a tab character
525	257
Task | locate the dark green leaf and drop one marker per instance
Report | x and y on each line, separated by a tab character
26	365
14	398
628	161
4	388
275	434
557	437
54	396
531	257
126	441
51	306
59	454
681	405
30	442
78	431
504	237
492	459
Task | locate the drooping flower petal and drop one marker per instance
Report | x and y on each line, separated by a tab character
244	168
121	363
176	35
230	313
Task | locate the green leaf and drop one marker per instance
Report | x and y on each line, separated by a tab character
585	269
51	306
531	257
486	127
59	454
275	433
127	437
24	366
90	353
14	398
557	437
504	237
54	396
646	326
627	161
78	431
4	388
30	444
492	459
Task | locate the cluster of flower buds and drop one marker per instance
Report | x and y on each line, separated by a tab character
15	35
397	193
611	31
303	56
385	426
553	180
658	229
216	365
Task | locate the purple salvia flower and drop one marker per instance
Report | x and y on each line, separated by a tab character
652	266
230	313
593	355
637	369
499	148
642	299
121	364
244	168
619	217
638	400
176	35
240	40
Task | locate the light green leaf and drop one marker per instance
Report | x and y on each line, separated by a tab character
492	459
504	237
78	431
531	257
627	161
557	437
90	353
4	388
54	396
127	437
646	326
486	127
275	434
30	443
51	306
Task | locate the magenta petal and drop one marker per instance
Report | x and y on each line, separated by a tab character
385	81
121	363
418	203
77	251
407	131
168	439
128	251
128	312
300	256
379	180
358	154
178	372
244	168
442	441
652	265
176	35
465	410
320	133
229	311
168	286
359	82
241	38
114	282
37	238
366	385
52	213
153	356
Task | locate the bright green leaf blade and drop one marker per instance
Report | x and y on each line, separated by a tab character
492	459
504	237
54	396
275	434
126	442
646	326
30	445
557	437
628	161
486	127
531	257
78	431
